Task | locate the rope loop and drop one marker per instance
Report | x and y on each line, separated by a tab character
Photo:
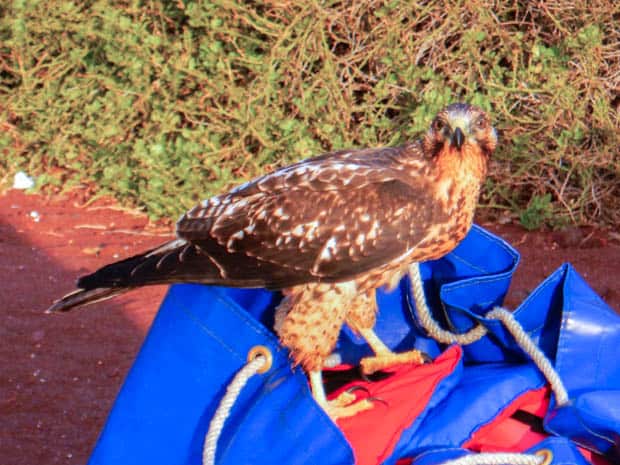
523	340
259	361
428	322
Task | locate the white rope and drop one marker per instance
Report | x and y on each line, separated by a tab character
499	458
524	341
429	323
223	410
498	313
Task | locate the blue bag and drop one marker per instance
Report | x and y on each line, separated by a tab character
202	335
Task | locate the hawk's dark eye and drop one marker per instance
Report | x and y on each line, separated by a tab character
438	125
481	123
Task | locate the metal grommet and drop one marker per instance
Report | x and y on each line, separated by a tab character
263	351
546	455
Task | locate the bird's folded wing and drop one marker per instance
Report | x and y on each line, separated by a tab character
323	219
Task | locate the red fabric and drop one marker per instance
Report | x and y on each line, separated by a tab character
506	434
374	433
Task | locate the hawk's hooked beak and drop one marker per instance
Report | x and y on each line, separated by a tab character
457	138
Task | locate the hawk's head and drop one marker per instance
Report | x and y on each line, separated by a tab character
458	126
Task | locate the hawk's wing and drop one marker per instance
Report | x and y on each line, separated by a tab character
329	218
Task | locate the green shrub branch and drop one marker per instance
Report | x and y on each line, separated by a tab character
161	103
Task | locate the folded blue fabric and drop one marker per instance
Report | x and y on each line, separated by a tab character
202	335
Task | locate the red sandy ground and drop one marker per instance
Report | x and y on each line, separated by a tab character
60	373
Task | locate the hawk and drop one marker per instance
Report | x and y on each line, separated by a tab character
327	231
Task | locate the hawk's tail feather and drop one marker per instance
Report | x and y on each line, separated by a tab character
82	297
157	266
152	267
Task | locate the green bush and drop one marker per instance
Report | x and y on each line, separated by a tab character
161	103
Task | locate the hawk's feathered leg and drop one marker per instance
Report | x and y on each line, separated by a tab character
321	309
361	318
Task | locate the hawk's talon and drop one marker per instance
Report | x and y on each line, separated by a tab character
336	411
378	399
352	389
343	399
427	358
346	404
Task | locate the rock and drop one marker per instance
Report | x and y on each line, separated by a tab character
22	181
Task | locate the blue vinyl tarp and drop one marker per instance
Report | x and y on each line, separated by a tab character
201	337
